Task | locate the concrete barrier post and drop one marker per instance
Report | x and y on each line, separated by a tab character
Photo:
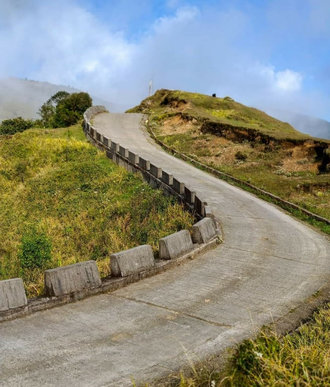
203	231
167	178
123	151
131	261
155	171
199	206
144	164
73	278
106	142
175	245
12	294
178	186
189	196
133	158
114	147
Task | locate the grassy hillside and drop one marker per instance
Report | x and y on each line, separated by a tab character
245	143
223	111
58	190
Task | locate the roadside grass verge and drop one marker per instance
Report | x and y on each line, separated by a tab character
59	193
300	358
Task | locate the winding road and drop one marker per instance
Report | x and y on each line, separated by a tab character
267	265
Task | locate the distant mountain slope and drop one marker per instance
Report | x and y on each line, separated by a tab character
306	124
21	97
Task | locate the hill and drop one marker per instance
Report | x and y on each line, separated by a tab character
244	142
220	115
23	98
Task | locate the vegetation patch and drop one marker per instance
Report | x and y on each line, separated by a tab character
62	201
15	125
301	358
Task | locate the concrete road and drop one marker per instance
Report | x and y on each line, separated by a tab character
267	265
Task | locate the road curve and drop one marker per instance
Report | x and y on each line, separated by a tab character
267	265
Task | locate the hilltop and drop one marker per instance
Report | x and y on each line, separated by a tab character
244	142
222	116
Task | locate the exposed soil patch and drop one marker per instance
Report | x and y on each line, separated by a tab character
176	124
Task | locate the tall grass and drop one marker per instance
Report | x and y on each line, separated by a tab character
54	182
301	358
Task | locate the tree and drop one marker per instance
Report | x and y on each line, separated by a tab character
64	109
48	109
71	109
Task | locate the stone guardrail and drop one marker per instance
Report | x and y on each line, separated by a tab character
225	176
73	282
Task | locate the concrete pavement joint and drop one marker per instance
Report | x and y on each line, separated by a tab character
269	255
173	311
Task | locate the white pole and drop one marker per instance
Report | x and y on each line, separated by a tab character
150	88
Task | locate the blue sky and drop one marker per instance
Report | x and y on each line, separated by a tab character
272	54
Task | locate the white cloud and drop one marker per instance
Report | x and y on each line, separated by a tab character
288	80
198	49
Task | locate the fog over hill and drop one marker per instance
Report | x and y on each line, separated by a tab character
23	98
314	126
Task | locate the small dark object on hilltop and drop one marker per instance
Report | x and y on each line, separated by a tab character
214	95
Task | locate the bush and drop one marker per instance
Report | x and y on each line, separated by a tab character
240	156
15	125
35	249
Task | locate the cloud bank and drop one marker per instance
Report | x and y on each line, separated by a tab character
228	49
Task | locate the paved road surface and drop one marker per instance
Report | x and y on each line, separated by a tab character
267	264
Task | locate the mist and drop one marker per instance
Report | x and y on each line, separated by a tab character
208	47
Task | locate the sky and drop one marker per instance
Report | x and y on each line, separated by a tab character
271	54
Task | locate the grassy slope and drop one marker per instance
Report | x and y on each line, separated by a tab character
301	358
55	181
289	170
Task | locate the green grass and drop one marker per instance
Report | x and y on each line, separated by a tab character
301	358
55	182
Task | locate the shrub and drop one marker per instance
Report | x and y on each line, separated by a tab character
35	249
240	156
15	125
